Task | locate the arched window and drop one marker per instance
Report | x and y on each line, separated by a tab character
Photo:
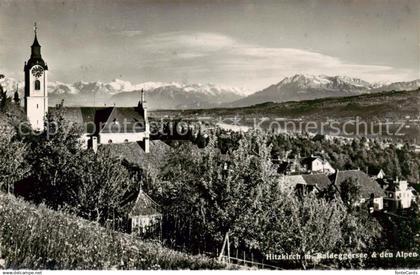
37	85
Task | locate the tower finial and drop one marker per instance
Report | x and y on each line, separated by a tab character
35	28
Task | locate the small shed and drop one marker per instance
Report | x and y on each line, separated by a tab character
145	215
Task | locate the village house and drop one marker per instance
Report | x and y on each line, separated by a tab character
369	190
306	182
316	164
306	165
379	194
398	195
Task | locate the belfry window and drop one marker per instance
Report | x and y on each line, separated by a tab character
37	85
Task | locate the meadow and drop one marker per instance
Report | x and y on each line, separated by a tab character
35	237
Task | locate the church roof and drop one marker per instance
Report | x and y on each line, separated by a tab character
96	120
321	181
126	119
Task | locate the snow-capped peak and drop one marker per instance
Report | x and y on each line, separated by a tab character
379	84
119	84
10	85
322	81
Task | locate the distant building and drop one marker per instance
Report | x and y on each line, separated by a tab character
288	167
315	164
398	195
377	173
307	165
145	216
101	125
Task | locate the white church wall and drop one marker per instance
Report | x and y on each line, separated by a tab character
106	138
37	102
84	139
35	112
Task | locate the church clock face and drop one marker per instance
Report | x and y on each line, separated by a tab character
37	71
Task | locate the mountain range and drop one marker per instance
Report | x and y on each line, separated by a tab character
174	95
159	95
306	87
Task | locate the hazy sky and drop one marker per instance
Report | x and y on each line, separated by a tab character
249	44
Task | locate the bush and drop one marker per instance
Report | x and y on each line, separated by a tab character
39	238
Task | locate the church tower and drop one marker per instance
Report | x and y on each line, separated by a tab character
36	82
142	108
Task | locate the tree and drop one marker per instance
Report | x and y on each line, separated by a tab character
361	233
350	191
209	194
13	166
303	226
94	186
16	98
3	99
55	158
105	190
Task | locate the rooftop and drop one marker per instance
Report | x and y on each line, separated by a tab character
144	206
96	120
367	185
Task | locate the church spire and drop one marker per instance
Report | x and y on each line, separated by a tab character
142	96
36	58
36	48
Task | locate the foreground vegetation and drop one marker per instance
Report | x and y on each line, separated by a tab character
207	194
39	238
227	187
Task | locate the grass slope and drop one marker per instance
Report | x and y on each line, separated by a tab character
39	238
